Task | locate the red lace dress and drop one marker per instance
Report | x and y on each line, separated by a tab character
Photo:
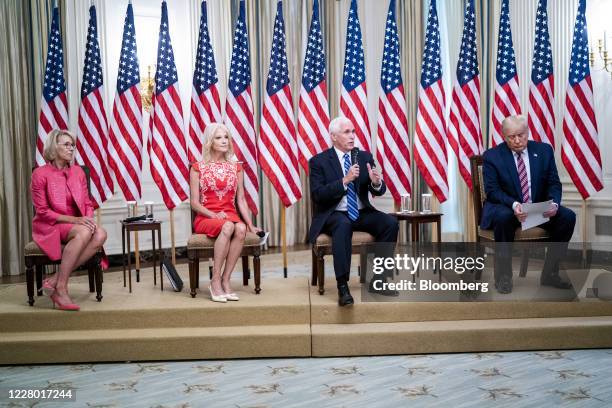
218	185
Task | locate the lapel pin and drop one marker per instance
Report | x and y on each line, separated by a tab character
535	155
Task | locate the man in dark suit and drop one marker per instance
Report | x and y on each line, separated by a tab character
339	190
516	172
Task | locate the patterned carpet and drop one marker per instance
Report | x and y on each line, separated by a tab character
578	378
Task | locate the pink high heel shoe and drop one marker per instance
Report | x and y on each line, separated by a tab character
47	288
63	306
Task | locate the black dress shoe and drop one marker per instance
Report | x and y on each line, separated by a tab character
556	282
383	292
503	286
344	296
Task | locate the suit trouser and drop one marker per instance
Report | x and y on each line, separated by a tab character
560	229
382	226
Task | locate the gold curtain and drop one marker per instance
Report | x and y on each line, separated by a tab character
18	48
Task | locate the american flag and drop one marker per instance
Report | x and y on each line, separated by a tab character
464	134
239	110
313	113
506	97
541	116
205	101
580	151
277	139
125	147
53	105
169	166
430	141
353	100
92	133
393	152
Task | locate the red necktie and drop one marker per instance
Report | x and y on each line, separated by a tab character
522	172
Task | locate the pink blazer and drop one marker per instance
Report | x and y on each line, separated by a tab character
49	199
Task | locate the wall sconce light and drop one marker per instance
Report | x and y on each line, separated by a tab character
146	88
603	55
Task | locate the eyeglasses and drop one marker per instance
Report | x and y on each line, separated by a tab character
67	145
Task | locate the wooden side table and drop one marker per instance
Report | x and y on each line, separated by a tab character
126	228
415	218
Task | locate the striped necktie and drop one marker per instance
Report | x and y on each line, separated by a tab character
522	172
351	195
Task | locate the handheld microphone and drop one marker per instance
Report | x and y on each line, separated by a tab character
354	154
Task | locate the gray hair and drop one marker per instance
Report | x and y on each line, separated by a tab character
337	122
513	121
50	146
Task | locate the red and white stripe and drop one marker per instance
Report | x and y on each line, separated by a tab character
505	103
430	140
464	134
354	106
541	116
278	146
168	157
393	150
53	115
92	142
313	123
239	121
205	109
580	151
125	147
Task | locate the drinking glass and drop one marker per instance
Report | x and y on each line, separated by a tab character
426	208
149	209
131	208
405	203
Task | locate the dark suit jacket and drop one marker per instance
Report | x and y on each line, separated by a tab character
327	190
502	184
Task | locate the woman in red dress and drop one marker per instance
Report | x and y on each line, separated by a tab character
216	184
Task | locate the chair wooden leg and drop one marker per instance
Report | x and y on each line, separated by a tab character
39	274
321	273
524	263
91	272
30	283
192	276
245	270
257	269
313	279
363	261
210	268
99	277
197	272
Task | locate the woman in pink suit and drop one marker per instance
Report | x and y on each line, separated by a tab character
63	215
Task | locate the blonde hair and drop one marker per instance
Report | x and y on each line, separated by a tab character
209	134
50	147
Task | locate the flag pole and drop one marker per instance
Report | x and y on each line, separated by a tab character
584	231
98	217
172	236
284	240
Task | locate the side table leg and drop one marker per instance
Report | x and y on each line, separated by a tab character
159	242
129	255
123	250
154	259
